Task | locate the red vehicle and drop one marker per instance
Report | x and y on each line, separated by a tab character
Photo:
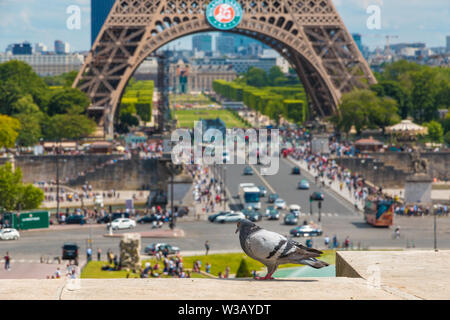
379	213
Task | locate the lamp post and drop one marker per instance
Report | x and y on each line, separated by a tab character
224	188
57	181
435	229
319	204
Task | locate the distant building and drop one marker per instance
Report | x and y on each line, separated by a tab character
240	65
201	77
22	49
61	47
48	65
197	77
448	43
40	48
202	42
399	46
358	40
225	44
99	12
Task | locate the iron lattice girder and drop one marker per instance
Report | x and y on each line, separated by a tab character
308	33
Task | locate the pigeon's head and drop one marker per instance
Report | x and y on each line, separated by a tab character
244	224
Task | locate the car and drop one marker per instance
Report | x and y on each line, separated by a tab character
147	219
280	204
75	219
295	210
317	196
272	214
290	219
122	223
213	217
111	217
303	185
159	247
254	216
248	171
183	211
273	197
306	231
296	170
9	234
230	217
262	191
70	251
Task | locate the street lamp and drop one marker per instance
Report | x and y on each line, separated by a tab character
435	227
224	187
320	207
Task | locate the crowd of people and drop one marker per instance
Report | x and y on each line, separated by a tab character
207	192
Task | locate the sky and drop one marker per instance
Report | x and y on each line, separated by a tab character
411	20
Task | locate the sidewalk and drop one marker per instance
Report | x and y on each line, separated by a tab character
334	187
141	197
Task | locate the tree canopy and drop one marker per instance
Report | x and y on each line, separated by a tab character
32	106
364	109
14	195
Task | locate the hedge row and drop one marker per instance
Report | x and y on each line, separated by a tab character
289	102
138	99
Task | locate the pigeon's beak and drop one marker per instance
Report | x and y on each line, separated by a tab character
237	229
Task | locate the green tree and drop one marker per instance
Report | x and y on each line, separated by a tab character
393	89
447	138
424	89
256	77
9	131
13	194
276	75
68	126
30	198
243	271
384	113
30	128
16	80
435	131
68	100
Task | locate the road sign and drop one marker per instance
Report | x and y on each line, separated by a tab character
224	14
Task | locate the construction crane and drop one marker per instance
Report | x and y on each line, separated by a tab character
388	37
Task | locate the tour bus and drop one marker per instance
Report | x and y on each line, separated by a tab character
249	195
379	213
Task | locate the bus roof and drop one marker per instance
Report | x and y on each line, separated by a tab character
246	185
251	189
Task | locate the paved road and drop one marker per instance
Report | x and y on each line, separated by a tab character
339	218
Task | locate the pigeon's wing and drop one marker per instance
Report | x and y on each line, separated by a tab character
265	245
298	253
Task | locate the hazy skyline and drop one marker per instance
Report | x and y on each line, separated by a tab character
45	21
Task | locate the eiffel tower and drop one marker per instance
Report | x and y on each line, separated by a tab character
309	34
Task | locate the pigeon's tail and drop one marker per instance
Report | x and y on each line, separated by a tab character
313	262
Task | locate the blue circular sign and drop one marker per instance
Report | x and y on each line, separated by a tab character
224	14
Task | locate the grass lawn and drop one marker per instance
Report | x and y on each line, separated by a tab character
189	99
186	118
218	264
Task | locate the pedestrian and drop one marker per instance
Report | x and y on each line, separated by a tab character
335	242
99	254
89	254
206	247
7	261
347	243
327	242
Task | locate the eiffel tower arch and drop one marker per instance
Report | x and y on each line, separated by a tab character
310	34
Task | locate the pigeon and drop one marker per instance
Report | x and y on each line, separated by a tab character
273	249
